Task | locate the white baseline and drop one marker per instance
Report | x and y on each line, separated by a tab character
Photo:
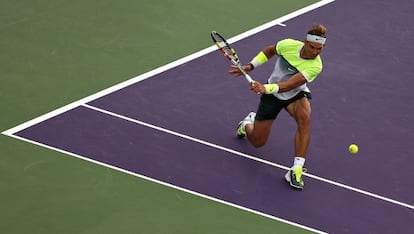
82	102
278	21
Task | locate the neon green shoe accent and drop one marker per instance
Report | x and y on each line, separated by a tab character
295	178
298	175
241	128
241	132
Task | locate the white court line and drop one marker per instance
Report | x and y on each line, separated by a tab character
278	21
10	132
373	195
168	184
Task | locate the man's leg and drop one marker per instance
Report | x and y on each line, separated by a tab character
257	128
258	132
300	110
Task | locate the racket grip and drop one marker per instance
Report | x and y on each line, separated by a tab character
248	78
246	75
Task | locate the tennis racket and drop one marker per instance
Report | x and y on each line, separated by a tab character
229	53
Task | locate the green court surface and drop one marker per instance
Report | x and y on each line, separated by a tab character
56	52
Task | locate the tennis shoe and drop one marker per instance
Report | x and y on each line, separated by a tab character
241	127
294	177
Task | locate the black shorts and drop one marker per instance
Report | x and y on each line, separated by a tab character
270	106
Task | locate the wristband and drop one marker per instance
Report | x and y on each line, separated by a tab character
259	59
251	66
271	88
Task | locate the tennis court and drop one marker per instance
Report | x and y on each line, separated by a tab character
170	132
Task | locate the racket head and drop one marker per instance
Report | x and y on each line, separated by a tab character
225	48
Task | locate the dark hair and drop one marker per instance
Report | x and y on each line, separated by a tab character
318	30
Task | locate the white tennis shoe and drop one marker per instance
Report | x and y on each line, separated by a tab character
241	127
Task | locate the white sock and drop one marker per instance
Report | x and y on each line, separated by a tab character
298	162
246	122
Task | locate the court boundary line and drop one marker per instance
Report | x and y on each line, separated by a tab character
82	102
149	74
168	184
206	143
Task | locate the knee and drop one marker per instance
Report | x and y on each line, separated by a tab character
257	143
304	121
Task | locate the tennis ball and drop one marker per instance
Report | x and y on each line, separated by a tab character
353	149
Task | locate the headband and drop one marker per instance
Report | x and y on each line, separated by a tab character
317	39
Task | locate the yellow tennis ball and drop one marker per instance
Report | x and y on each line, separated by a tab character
353	149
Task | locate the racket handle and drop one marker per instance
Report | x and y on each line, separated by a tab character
248	77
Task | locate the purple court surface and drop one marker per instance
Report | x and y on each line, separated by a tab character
178	126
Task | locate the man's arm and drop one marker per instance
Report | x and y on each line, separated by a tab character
293	82
269	52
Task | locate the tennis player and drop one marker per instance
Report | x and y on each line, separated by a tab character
298	63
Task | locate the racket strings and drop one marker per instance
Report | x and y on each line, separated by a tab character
229	52
225	48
